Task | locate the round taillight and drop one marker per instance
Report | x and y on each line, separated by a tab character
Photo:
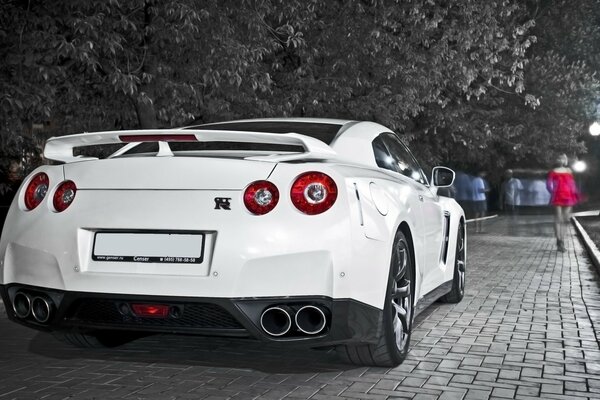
64	195
36	190
260	197
313	193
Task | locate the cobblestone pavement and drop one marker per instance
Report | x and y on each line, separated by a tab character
527	328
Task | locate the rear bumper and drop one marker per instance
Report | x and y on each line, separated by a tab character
346	320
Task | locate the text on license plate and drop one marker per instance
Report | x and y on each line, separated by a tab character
149	247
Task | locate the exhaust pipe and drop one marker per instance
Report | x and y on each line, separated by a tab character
276	321
310	320
22	305
41	309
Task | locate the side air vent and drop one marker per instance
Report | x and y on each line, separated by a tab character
444	255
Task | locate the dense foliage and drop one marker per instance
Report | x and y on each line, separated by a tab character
459	78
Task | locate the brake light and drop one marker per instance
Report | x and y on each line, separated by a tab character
260	197
313	193
151	310
157	138
36	190
64	195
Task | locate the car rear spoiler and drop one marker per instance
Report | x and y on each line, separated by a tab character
61	148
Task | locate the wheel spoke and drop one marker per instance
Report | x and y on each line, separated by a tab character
461	265
399	332
402	316
461	277
461	240
402	291
401	262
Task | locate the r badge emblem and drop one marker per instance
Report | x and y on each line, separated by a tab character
222	203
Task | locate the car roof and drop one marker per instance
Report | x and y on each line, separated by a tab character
334	121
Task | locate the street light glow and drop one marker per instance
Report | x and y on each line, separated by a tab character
579	166
595	129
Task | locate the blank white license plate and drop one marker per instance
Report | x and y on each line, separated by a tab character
149	247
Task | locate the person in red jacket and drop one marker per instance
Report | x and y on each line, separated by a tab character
563	196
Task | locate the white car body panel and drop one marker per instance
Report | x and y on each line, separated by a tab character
343	253
219	276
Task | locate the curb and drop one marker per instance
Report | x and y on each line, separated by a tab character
481	219
588	243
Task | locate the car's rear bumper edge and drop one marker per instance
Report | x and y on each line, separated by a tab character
344	320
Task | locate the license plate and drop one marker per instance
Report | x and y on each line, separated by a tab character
149	247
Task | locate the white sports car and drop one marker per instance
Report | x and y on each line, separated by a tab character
320	231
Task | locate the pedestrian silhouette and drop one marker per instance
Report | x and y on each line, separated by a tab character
480	190
563	196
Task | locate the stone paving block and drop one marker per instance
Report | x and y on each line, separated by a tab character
364	396
495	360
486	376
578	386
477	394
453	395
557	369
422	396
552	388
451	364
438	380
575	367
533	391
503	393
413	382
592	368
438	351
360	387
472	360
479	349
320	396
568	396
387	384
522	330
461	379
533	357
532	372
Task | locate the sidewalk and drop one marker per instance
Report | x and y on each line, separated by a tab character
527	328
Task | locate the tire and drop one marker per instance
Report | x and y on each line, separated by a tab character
457	292
393	344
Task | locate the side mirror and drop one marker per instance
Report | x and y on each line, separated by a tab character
442	177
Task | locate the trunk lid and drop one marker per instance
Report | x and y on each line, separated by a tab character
167	173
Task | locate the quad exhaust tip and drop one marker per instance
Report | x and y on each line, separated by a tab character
39	307
22	305
310	320
278	320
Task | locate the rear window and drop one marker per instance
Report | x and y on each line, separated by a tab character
97	150
318	130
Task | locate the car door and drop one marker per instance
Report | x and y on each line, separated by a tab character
432	216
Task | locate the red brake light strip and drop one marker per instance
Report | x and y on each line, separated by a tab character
157	138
